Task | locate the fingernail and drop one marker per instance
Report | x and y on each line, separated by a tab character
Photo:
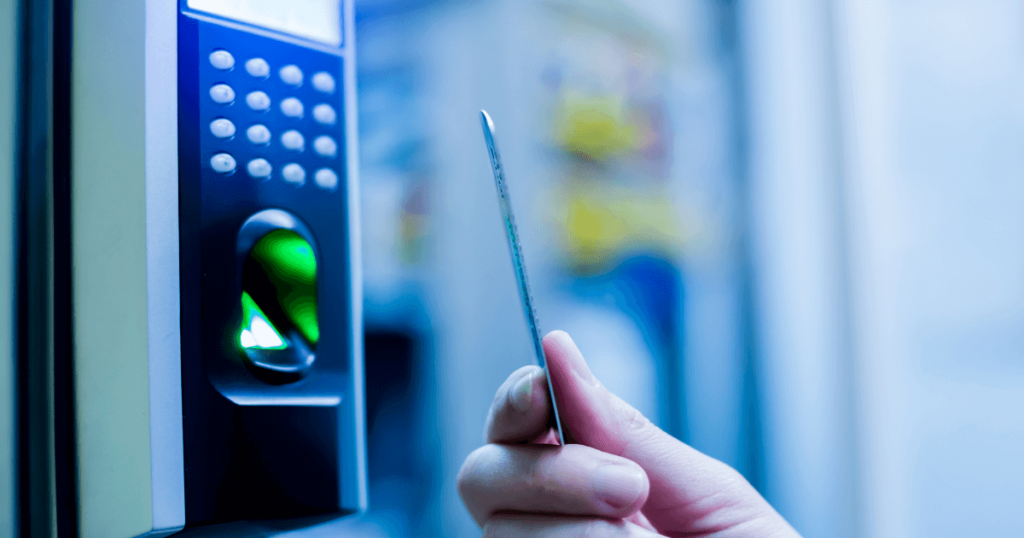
522	393
618	485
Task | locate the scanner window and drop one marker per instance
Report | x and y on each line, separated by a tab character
280	329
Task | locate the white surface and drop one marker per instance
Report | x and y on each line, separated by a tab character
163	301
293	140
934	93
319	20
127	387
294	173
222	59
798	247
222	128
258	134
222	94
291	75
323	82
223	163
291	107
325	146
258	101
326	178
257	67
259	168
325	114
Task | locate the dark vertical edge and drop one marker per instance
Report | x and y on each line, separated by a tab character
731	35
195	427
18	479
63	381
32	322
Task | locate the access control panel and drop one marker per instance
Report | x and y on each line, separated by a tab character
271	350
279	109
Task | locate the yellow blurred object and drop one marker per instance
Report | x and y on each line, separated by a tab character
594	127
604	225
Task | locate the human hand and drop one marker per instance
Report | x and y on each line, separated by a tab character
624	478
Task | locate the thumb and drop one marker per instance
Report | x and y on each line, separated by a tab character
690	492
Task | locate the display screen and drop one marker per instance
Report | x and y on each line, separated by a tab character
318	20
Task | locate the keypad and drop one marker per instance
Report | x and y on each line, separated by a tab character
291	75
223	163
222	59
294	174
258	101
222	128
325	114
258	134
272	118
326	178
323	82
325	146
259	168
293	140
291	107
257	67
222	94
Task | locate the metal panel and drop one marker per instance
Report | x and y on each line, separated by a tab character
124	252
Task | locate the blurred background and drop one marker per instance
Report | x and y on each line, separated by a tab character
788	232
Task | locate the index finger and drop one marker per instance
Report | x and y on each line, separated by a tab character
521	411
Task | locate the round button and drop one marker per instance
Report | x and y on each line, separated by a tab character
223	163
258	67
323	82
293	140
325	114
291	74
326	179
325	146
258	101
222	128
258	134
291	107
259	168
222	59
293	173
222	93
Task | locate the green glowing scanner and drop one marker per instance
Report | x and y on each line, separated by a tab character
279	329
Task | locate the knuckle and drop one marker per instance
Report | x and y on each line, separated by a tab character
540	476
468	480
634	420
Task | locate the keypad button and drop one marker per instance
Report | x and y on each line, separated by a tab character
293	140
325	114
259	168
293	173
291	107
257	67
222	59
223	163
291	75
222	93
258	101
325	146
323	82
326	178
258	134
222	128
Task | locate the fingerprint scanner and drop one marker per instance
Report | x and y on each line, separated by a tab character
279	328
